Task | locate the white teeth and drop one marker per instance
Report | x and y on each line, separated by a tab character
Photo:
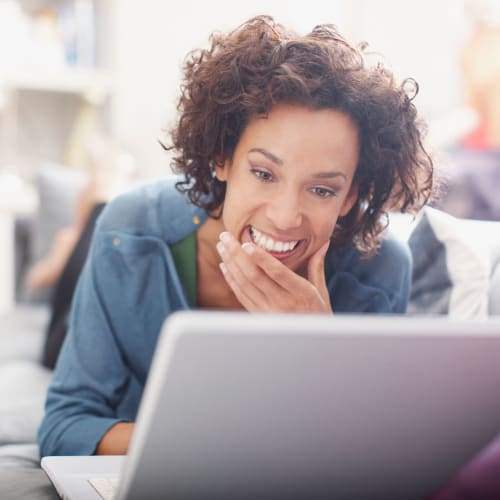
269	244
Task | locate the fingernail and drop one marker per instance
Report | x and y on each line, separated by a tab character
324	248
220	247
225	236
223	267
248	248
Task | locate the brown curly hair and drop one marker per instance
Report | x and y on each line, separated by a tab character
246	72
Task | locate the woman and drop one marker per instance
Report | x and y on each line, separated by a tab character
292	149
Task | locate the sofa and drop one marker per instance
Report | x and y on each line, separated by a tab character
456	273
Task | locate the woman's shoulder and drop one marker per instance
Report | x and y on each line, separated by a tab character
155	209
391	252
376	283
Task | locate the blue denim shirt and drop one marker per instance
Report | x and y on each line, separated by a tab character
129	285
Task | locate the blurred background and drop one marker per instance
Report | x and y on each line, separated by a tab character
89	87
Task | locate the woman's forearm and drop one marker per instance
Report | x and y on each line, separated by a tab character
116	440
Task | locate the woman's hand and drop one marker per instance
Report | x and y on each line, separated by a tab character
262	283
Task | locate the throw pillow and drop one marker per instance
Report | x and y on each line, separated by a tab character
58	188
451	267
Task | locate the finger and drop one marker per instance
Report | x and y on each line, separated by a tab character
239	293
316	267
249	296
237	263
292	290
278	274
316	272
280	288
275	273
244	277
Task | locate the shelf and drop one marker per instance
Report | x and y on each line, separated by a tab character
66	80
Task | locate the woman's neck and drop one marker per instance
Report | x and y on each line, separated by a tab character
212	290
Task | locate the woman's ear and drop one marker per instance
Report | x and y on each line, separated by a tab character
349	201
221	169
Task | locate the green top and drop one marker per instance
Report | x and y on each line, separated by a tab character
184	254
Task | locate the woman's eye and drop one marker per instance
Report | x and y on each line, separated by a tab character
263	175
323	192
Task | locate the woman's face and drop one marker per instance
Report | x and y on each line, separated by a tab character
289	180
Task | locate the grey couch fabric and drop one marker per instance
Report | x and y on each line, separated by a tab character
429	262
22	332
23	381
21	477
23	384
18	483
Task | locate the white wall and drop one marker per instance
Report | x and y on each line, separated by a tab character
422	40
150	41
419	39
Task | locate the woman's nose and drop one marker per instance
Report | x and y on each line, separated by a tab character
284	211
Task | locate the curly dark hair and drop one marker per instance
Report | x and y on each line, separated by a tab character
246	72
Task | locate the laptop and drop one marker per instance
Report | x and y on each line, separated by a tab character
244	405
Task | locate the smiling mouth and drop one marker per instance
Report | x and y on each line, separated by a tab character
271	245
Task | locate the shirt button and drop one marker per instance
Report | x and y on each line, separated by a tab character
116	242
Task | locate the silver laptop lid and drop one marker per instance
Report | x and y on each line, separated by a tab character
293	406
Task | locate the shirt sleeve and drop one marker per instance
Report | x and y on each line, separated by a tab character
128	286
378	284
90	376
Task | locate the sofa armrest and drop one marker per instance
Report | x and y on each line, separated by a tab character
22	332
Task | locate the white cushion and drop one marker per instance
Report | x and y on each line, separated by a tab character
452	266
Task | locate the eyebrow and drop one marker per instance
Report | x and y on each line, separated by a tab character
268	155
278	161
329	175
